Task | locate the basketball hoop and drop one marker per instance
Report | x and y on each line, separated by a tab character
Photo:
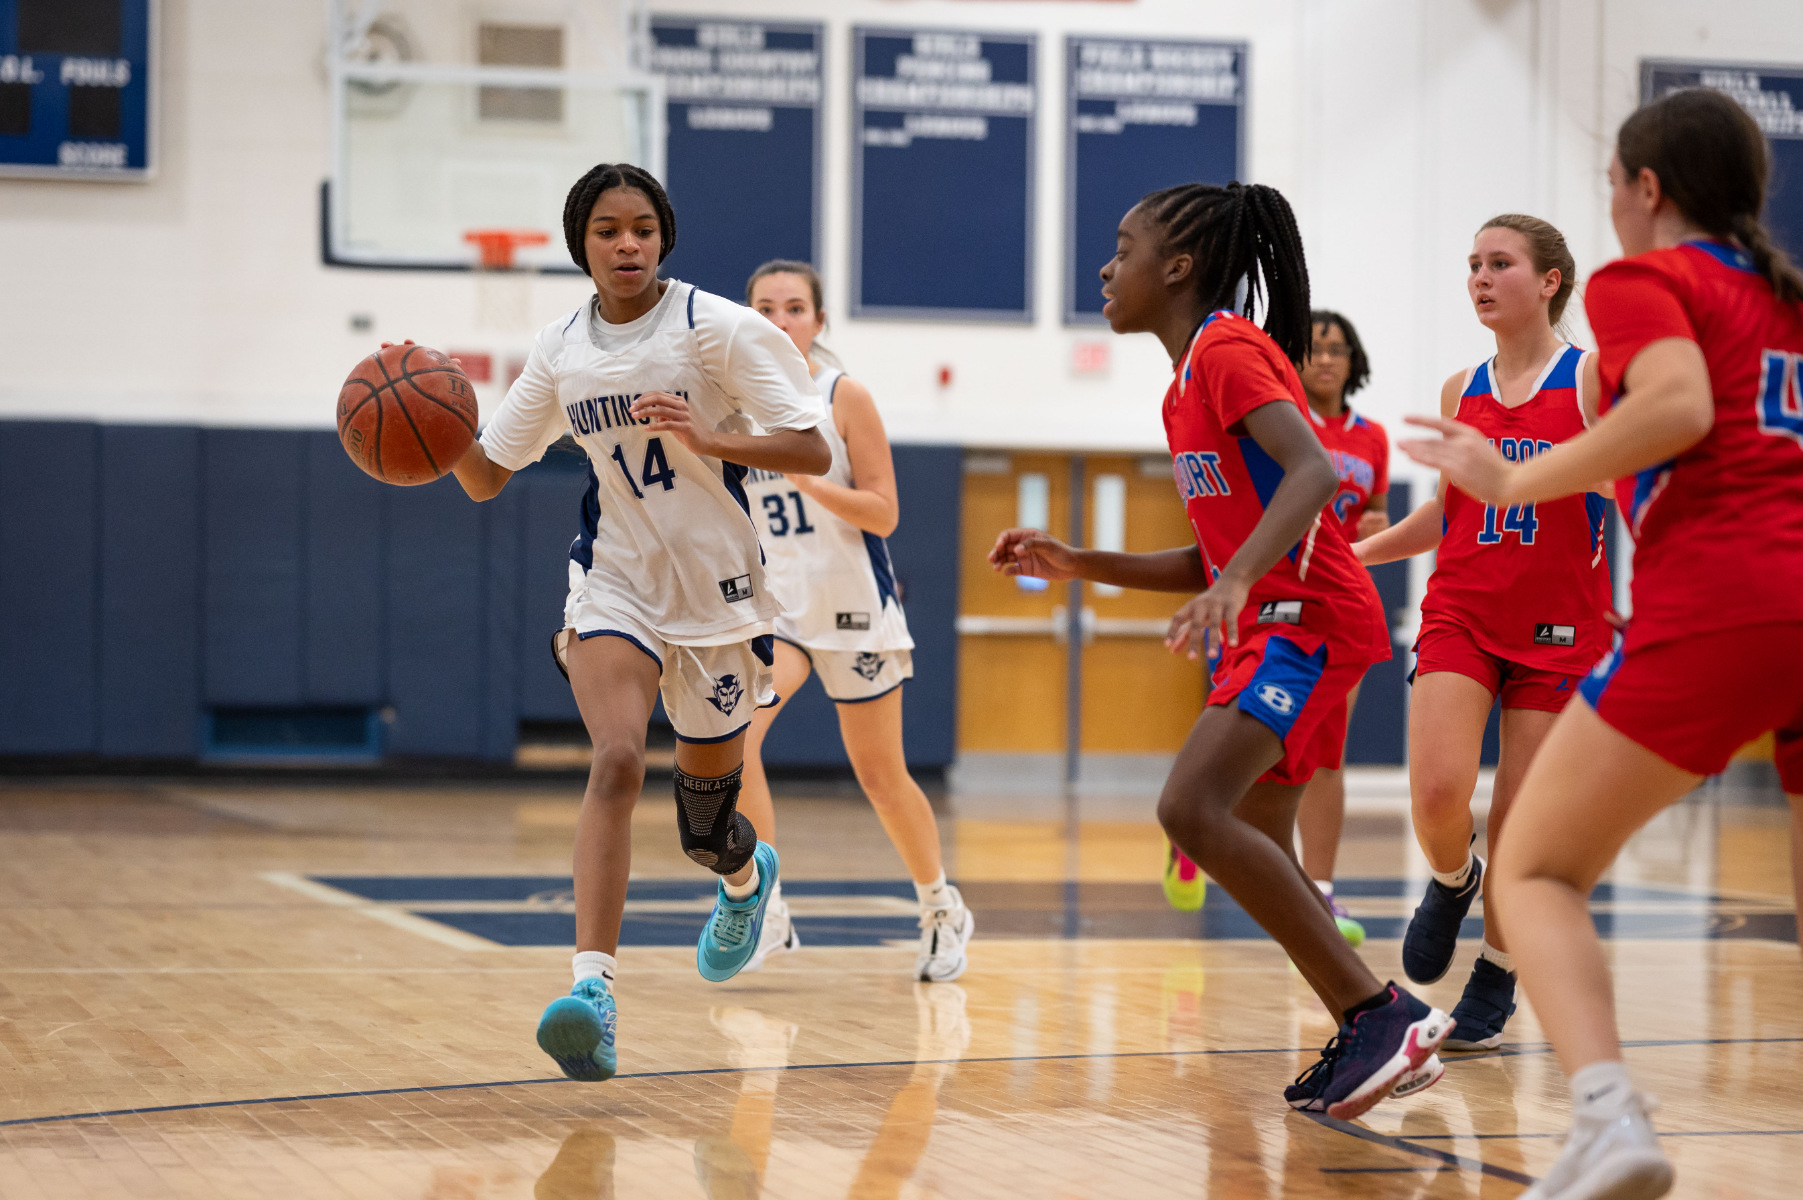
498	245
503	290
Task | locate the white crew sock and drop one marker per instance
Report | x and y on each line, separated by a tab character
1456	879
742	891
592	964
1501	958
1601	1089
935	894
1326	886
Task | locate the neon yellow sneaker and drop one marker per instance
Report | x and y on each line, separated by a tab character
1351	930
1185	886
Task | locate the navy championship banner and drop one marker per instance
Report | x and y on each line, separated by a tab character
942	163
75	88
1140	115
742	159
1774	95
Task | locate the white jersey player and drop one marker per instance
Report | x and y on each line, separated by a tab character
842	619
665	388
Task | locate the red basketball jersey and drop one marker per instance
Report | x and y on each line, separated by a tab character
1226	479
1529	581
1360	451
1719	528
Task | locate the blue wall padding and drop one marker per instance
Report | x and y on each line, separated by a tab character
1379	732
549	519
252	566
150	492
49	588
343	602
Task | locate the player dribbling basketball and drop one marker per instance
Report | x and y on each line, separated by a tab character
661	384
842	619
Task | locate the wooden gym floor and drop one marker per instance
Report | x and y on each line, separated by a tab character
298	991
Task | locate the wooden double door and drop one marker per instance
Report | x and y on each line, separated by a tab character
1014	641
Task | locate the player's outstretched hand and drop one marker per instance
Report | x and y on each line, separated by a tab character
1463	455
1217	610
1033	552
670	414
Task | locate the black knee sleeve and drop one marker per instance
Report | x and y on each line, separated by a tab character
714	832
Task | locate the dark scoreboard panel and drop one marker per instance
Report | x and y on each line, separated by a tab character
1141	114
75	88
742	155
1774	95
942	169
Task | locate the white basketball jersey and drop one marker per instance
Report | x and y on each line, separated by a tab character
665	534
836	583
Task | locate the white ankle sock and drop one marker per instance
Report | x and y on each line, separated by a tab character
742	891
1602	1088
934	894
1501	958
592	964
1326	886
1456	879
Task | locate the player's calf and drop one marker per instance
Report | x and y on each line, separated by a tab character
714	832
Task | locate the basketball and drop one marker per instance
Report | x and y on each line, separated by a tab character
406	414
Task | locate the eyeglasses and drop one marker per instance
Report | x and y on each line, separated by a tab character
1330	351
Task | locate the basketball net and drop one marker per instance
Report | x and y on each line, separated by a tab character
504	287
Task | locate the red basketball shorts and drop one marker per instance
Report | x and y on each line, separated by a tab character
1286	681
1449	646
1696	700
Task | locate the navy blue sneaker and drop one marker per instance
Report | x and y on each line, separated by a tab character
729	940
1305	1095
1378	1050
1488	1003
577	1031
1433	933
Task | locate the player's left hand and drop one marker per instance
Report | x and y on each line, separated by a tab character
1464	456
670	414
1216	610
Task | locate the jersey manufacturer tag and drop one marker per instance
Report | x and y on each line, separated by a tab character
737	589
851	620
1548	634
1280	612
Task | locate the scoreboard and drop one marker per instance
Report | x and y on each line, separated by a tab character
75	88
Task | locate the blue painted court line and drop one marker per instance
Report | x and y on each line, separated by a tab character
1664	1133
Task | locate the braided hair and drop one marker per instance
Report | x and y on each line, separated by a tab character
605	178
1241	233
1711	161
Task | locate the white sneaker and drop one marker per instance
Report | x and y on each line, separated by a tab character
1608	1157
779	934
944	932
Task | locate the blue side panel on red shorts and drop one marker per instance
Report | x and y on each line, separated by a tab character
1282	684
1597	681
48	580
149	591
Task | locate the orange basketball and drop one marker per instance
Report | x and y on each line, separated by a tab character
406	415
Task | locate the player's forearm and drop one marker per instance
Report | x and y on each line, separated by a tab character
1178	570
482	478
787	451
870	511
1415	534
1294	507
1667	408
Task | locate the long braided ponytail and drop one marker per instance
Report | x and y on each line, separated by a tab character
1241	233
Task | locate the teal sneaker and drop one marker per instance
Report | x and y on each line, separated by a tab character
730	937
577	1031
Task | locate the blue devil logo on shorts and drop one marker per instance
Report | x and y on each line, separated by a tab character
868	665
727	691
